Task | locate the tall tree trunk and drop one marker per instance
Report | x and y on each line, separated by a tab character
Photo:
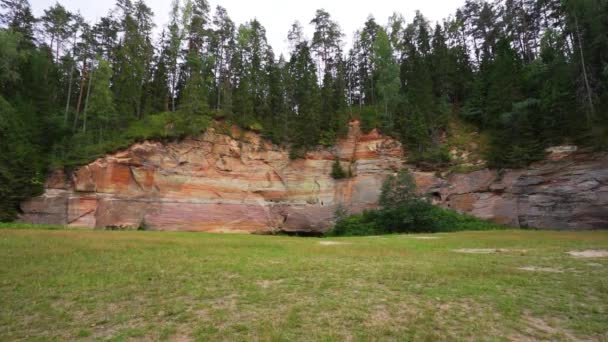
67	103
524	40
57	54
80	95
51	46
173	85
82	86
476	51
591	112
219	79
86	103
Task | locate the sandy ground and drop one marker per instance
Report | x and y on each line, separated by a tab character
590	253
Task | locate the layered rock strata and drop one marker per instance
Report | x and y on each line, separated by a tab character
217	183
568	190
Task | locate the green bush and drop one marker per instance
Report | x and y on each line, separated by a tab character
369	119
355	225
22	162
403	211
432	157
337	171
83	148
416	217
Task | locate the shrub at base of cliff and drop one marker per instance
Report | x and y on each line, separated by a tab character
403	211
421	217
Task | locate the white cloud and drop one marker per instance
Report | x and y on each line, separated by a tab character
278	15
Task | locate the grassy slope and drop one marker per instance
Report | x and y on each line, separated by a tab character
96	284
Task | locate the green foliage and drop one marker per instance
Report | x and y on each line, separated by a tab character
388	83
256	127
21	163
297	152
337	171
10	56
433	157
403	211
369	119
194	99
356	225
303	96
85	147
418	217
399	189
25	226
518	144
101	108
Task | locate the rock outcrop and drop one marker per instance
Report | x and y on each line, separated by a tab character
216	183
569	190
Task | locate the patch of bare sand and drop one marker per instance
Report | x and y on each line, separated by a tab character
541	269
590	253
536	329
180	338
379	316
488	250
333	243
265	284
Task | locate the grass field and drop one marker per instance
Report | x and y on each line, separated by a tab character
518	285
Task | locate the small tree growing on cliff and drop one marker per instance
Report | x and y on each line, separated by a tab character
337	171
399	190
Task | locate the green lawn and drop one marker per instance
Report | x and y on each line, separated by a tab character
65	284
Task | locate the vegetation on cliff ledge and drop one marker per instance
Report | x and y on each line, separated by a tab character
527	73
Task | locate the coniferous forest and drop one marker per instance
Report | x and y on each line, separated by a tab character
527	73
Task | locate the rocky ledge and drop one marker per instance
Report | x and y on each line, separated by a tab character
216	183
568	190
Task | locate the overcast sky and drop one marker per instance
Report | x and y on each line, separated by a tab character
278	15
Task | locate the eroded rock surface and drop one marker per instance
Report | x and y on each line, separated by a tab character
569	190
216	183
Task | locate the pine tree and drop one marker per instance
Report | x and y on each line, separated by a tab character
388	79
17	16
56	23
303	93
326	41
134	58
172	50
101	109
193	100
222	48
158	90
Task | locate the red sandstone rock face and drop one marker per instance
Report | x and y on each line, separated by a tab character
564	192
215	183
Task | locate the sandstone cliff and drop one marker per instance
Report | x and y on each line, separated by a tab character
569	190
217	183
